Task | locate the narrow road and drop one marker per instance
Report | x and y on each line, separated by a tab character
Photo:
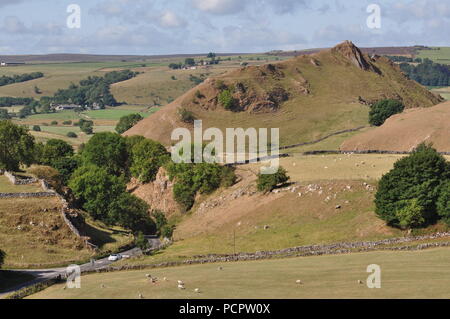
46	274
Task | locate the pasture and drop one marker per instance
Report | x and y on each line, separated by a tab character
422	274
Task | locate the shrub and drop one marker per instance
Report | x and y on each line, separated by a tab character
384	109
227	100
411	215
86	126
160	220
268	182
141	242
36	128
54	123
415	177
186	116
67	123
72	135
167	231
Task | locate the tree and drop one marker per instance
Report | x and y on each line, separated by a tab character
72	135
207	177
16	146
4	115
415	177
66	166
36	128
384	109
55	150
2	257
106	150
189	61
95	188
443	203
268	182
147	157
127	122
131	212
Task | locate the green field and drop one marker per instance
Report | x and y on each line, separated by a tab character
422	274
437	54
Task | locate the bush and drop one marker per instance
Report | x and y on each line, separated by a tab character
141	242
72	135
268	182
415	177
186	116
86	127
384	109
67	123
54	123
167	231
36	128
227	100
411	215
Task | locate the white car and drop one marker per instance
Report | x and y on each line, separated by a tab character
114	257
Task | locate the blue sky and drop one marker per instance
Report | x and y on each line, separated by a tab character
198	26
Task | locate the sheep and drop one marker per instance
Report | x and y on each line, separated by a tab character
148	276
181	287
165	279
180	282
197	290
299	282
141	296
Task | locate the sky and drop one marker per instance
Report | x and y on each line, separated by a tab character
148	27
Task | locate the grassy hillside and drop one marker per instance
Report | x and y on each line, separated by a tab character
421	274
34	235
437	54
323	90
403	132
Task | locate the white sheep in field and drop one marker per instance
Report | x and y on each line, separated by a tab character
181	287
197	290
141	296
165	279
180	282
299	282
148	276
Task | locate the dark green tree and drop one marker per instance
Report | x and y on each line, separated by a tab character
131	212
127	122
147	157
383	110
4	115
443	203
16	146
106	150
55	150
95	188
415	177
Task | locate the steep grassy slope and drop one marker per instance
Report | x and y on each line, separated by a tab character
306	97
403	132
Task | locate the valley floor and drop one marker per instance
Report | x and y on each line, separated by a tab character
422	274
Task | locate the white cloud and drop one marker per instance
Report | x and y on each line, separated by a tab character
171	20
220	6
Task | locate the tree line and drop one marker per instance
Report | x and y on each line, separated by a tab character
18	78
428	73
